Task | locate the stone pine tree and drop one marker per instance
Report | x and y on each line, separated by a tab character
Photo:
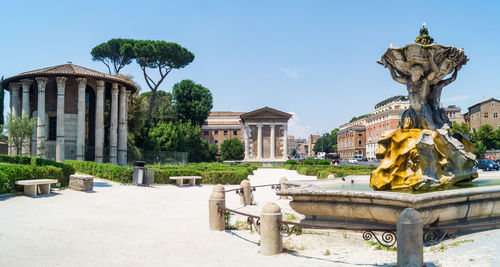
115	53
20	128
192	102
163	57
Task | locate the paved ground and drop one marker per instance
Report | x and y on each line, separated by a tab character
118	225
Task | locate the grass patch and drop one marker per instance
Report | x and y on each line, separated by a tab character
377	246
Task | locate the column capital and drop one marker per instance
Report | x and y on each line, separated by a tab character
26	84
15	87
129	93
81	81
114	90
100	85
260	125
42	81
114	85
61	82
123	89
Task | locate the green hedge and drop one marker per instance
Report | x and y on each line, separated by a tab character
34	161
103	170
10	173
322	171
316	162
211	173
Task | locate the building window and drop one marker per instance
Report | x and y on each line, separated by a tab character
495	114
225	132
492	104
205	132
359	142
216	142
235	132
216	133
486	114
52	128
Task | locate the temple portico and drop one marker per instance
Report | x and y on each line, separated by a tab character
69	103
265	135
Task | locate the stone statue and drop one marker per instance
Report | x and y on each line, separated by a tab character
422	154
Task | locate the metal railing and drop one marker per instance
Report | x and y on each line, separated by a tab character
433	235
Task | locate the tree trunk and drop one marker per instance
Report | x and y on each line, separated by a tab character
151	103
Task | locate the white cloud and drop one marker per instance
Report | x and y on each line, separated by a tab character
297	129
457	98
290	73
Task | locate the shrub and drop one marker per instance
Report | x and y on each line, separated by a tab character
162	175
232	149
224	177
316	162
103	170
34	161
10	173
291	162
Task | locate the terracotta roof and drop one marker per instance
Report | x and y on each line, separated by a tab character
69	69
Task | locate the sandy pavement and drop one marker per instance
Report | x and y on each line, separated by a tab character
124	225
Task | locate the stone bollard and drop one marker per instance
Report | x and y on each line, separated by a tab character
331	176
410	232
270	238
246	197
283	186
216	219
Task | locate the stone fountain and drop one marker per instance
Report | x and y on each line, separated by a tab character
421	156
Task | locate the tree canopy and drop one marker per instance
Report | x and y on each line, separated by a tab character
163	57
20	128
192	102
232	149
116	53
327	143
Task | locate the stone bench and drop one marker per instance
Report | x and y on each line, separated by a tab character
81	182
180	179
31	186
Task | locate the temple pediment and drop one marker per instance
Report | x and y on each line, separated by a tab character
266	114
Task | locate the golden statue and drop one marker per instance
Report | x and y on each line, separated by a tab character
421	154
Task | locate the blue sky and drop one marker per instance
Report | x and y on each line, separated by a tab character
315	59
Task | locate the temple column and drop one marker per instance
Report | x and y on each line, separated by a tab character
285	141
60	141
259	141
246	141
99	122
80	134
26	83
40	129
14	89
272	140
113	128
122	128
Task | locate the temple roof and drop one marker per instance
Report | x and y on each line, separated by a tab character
266	113
71	70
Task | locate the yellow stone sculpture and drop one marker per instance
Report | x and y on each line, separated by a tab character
422	154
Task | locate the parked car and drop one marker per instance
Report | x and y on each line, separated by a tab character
487	164
497	161
353	160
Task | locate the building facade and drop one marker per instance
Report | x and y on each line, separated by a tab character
265	135
485	112
69	103
264	132
385	118
454	114
220	126
311	142
351	139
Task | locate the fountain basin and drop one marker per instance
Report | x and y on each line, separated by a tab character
327	202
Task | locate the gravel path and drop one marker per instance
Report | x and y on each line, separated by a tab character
123	225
